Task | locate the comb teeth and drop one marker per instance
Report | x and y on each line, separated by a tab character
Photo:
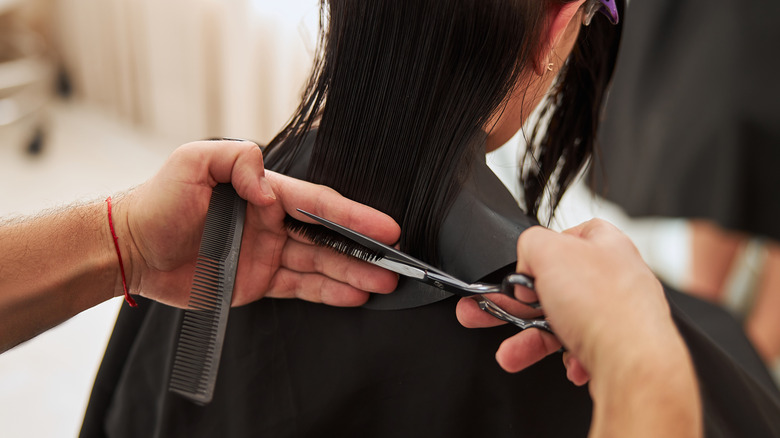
323	236
199	346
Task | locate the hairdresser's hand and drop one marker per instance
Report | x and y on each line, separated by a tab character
161	223
599	296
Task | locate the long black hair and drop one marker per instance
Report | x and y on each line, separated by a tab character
401	90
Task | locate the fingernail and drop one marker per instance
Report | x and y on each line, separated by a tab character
266	188
566	360
225	139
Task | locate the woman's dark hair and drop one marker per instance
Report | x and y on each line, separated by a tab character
400	93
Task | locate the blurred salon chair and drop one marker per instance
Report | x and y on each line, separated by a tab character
25	81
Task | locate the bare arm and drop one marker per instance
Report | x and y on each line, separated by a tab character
52	267
646	391
58	264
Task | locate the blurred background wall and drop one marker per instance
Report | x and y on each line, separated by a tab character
185	69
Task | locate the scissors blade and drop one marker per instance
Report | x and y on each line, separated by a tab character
406	265
400	262
386	251
400	268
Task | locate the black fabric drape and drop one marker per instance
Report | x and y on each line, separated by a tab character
692	126
296	369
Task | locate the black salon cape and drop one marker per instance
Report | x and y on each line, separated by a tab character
296	369
692	124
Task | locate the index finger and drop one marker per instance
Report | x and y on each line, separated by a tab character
603	234
329	204
532	247
596	229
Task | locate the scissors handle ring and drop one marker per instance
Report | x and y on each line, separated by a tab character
511	280
493	309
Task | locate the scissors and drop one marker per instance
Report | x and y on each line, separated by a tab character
401	263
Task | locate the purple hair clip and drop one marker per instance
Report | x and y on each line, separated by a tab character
606	7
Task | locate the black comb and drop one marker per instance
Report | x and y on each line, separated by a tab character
202	333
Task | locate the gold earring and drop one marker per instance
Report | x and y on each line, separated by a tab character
550	66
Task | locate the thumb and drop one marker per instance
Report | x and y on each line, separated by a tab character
239	163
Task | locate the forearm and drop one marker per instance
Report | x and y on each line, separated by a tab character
52	267
650	393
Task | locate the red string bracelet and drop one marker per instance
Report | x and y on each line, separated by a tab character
128	298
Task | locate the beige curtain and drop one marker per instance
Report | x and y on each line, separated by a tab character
189	69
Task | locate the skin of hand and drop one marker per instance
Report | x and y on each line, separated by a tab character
63	261
162	222
609	311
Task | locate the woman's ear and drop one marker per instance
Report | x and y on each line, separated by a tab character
560	18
